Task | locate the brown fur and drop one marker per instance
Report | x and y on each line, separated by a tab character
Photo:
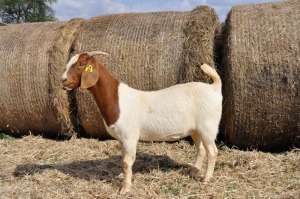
105	93
102	85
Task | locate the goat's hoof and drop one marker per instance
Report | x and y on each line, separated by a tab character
195	173
206	179
125	189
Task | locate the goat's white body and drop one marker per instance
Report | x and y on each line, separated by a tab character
168	114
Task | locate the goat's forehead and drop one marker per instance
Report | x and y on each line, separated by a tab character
72	61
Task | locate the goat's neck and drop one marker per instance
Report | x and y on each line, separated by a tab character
105	93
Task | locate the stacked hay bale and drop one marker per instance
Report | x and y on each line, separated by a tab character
148	51
32	57
261	68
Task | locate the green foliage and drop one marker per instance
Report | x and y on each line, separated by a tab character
3	136
23	11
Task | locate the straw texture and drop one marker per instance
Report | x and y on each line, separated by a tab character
261	67
32	56
87	168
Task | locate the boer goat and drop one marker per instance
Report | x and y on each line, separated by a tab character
191	109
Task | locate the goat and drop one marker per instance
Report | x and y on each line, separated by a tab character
192	109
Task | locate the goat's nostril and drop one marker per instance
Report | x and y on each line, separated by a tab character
63	80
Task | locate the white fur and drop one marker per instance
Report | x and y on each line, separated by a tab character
168	114
72	61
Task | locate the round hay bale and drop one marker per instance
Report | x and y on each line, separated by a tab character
148	51
32	58
261	68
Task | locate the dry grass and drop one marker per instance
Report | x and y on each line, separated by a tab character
33	167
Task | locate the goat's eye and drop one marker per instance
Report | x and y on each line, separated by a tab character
81	65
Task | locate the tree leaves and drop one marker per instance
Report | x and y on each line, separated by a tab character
24	11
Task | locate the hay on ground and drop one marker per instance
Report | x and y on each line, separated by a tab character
260	69
86	168
148	51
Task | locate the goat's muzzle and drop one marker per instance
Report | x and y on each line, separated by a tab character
66	85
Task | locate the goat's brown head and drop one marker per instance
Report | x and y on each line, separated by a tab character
81	71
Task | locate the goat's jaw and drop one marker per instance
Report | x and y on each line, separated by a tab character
67	88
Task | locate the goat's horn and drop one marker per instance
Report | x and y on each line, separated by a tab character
93	53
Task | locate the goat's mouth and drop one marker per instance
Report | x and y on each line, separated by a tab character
69	86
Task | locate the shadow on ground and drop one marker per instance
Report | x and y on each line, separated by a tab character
104	169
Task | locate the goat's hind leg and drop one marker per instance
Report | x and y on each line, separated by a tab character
212	153
197	168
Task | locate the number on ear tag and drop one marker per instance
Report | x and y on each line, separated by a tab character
89	69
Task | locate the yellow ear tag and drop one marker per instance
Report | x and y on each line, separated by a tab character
89	68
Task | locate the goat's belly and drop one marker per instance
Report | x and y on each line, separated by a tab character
167	126
163	134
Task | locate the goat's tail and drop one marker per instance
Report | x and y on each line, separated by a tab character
212	73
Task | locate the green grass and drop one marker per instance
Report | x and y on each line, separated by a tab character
4	136
171	188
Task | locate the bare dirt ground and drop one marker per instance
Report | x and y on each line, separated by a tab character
34	167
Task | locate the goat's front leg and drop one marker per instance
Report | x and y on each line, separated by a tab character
128	154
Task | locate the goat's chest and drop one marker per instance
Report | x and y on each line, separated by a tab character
111	131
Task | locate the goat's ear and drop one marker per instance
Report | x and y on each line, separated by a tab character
89	76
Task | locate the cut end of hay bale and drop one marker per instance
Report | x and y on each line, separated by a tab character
202	30
32	100
25	103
